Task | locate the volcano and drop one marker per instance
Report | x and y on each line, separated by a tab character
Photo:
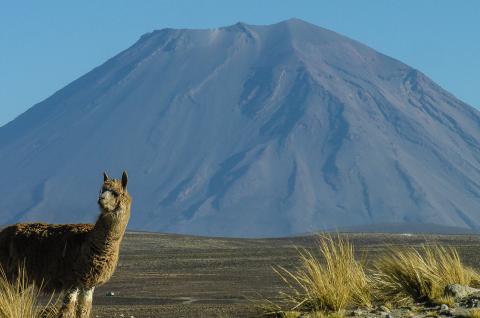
248	131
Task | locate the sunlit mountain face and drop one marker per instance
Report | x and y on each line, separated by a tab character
248	131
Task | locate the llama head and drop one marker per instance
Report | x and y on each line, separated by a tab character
114	197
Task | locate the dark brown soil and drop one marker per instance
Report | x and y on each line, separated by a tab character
162	275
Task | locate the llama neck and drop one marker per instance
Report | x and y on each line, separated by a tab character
108	232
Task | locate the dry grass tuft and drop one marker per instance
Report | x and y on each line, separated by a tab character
328	281
20	299
411	274
447	300
291	314
474	313
431	314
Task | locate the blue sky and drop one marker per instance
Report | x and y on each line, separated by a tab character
44	45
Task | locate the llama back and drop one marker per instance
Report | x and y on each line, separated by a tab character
47	251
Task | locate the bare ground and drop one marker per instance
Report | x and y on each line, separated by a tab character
162	275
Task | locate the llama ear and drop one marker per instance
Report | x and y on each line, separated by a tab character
124	180
105	177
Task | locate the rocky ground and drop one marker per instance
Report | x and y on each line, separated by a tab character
464	303
174	276
467	306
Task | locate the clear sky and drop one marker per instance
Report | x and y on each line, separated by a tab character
45	45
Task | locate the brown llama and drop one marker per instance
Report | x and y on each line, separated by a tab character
72	258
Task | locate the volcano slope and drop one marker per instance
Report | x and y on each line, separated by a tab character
248	131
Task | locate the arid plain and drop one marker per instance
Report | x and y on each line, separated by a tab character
163	275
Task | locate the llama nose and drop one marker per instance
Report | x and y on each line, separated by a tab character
106	195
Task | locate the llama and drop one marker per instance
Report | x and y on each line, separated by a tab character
72	258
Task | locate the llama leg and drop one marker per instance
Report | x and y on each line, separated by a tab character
84	305
69	301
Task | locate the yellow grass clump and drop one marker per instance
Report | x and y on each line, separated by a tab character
474	313
419	274
328	281
21	299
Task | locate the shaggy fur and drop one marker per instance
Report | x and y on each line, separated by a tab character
73	258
